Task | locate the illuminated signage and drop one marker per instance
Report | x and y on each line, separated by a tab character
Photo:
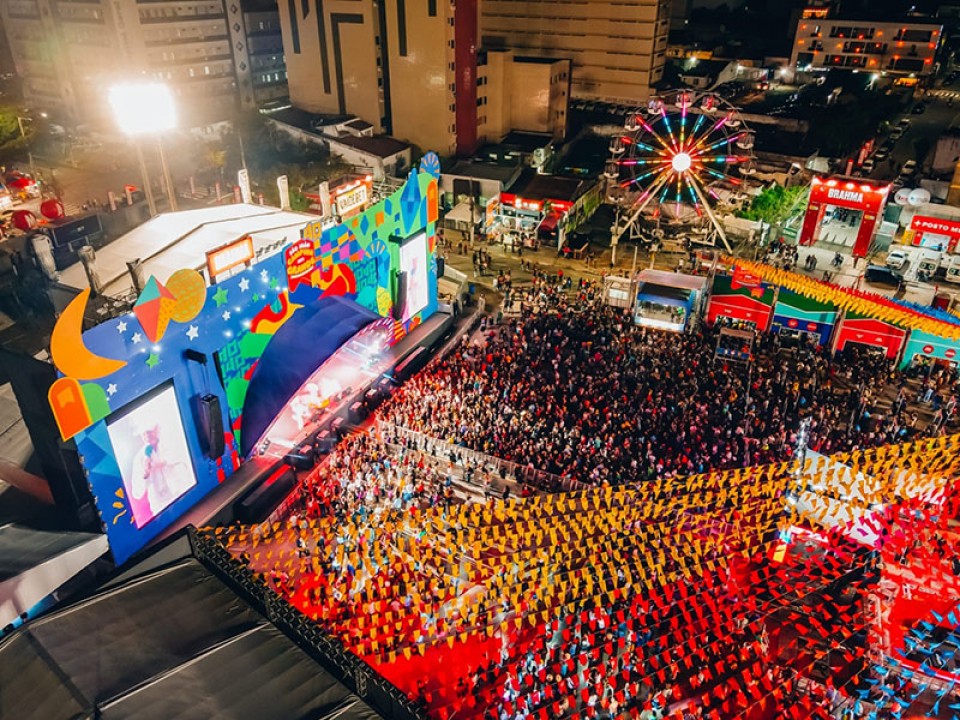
846	195
352	199
227	257
923	223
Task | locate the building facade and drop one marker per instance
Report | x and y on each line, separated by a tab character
897	49
69	53
529	94
617	48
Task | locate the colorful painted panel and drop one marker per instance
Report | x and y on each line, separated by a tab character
131	391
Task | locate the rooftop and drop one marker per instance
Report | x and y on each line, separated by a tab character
307	120
359	124
705	68
533	186
171	241
382	146
485	171
527	142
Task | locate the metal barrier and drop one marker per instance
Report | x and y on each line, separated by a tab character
361	679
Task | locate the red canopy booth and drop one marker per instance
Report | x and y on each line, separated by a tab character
853	194
865	330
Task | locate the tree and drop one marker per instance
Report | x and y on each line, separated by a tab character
12	142
772	207
774	204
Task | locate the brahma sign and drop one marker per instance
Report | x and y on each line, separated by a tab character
841	192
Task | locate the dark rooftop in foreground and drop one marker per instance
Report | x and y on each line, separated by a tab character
174	643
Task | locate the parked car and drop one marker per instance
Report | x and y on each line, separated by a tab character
919	108
868	165
883	275
909	169
897	259
881	154
904	123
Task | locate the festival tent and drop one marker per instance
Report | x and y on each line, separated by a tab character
866	330
927	345
175	642
794	311
731	300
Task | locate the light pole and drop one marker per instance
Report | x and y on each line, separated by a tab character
146	108
23	134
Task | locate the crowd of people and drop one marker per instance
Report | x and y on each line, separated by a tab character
574	388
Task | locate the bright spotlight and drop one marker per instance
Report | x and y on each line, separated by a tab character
143	108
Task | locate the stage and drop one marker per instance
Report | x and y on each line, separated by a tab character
219	507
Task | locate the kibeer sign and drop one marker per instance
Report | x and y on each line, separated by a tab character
846	193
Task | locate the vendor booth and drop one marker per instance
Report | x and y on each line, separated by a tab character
867	331
739	299
925	348
802	317
166	403
668	301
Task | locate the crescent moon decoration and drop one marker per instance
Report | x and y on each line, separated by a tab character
68	351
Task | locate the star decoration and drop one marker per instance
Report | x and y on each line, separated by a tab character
193	332
111	389
244	284
256	297
137	338
274	284
220	296
226	315
122	327
264	275
152	360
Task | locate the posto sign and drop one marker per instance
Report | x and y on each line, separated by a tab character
845	193
923	224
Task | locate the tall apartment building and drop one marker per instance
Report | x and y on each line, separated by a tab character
903	49
407	68
618	47
68	53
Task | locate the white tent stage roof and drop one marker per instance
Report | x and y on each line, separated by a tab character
172	241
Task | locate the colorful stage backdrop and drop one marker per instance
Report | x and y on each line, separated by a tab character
137	391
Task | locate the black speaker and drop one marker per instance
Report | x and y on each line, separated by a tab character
303	458
400	295
210	424
258	505
358	412
324	442
441	264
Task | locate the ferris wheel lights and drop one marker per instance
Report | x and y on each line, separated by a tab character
681	162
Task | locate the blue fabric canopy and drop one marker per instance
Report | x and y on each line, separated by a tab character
299	347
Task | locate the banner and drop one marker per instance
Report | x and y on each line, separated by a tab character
283	185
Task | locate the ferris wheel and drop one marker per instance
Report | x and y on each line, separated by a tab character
676	158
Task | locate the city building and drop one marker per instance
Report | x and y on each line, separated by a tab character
415	72
528	94
217	57
395	67
617	49
906	51
264	47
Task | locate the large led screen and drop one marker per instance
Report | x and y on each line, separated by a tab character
151	449
413	263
